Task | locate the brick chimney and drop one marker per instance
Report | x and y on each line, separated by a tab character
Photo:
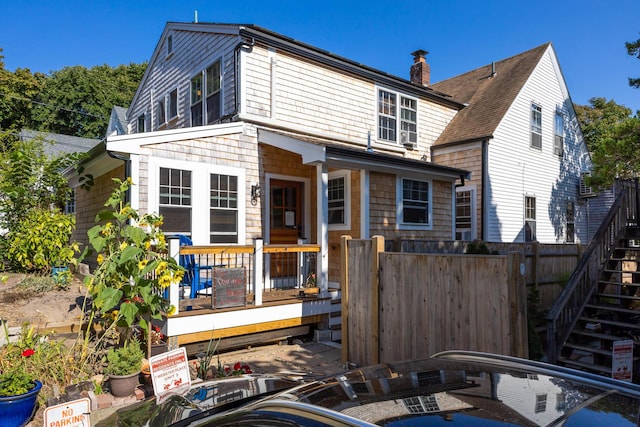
420	70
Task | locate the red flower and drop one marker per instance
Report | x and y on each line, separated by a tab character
237	366
28	353
247	369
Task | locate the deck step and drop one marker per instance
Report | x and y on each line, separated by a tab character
613	308
616	296
610	322
588	349
584	365
615	283
596	335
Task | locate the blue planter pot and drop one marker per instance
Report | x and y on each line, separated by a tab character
58	274
16	411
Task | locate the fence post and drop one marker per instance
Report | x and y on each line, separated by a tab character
377	249
344	295
258	266
517	289
174	288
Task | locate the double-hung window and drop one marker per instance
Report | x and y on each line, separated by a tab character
223	213
213	92
463	215
175	200
338	197
529	219
558	142
172	104
161	112
414	203
397	118
536	126
196	100
141	123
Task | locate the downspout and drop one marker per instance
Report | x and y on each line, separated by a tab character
236	72
127	170
483	187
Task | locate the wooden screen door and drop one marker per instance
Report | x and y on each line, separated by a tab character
285	210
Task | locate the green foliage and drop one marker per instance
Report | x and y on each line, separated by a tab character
479	248
41	240
613	138
52	362
15	383
133	267
125	360
633	49
40	284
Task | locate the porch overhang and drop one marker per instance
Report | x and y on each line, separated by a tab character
336	156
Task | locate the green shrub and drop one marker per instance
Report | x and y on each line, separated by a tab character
125	360
42	241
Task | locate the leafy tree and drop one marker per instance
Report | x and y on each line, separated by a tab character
78	101
633	49
613	137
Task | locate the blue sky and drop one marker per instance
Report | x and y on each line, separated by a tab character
588	35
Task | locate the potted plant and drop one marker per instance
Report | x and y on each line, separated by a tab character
18	397
311	284
123	368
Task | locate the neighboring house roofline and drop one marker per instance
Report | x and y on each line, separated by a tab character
60	144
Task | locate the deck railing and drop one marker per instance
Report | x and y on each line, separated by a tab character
262	268
563	316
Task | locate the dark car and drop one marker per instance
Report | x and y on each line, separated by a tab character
451	388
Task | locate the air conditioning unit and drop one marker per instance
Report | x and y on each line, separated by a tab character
585	190
404	140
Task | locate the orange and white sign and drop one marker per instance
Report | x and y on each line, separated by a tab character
70	414
170	373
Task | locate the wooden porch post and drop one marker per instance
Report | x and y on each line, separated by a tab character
174	288
344	296
322	225
258	267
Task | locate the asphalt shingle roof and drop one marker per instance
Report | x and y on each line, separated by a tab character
488	96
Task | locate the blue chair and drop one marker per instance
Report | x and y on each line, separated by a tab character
192	276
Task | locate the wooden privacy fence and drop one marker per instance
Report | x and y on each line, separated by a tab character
402	306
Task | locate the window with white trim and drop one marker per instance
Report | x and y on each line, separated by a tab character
213	92
161	112
414	203
571	221
196	100
541	403
339	195
536	126
172	104
175	200
169	44
464	223
141	123
397	118
223	215
558	141
70	205
529	219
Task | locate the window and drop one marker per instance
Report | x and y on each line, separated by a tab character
339	194
536	126
172	103
70	206
463	215
169	44
558	142
213	93
541	403
529	219
415	204
196	100
141	123
571	219
393	121
161	112
175	200
223	216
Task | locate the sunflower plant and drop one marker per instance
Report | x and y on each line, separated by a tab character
128	286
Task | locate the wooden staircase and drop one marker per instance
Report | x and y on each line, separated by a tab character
601	302
612	313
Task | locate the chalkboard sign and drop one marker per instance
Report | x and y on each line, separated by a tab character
229	287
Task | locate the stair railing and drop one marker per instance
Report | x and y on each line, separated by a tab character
563	316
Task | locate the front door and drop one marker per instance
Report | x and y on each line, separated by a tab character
285	211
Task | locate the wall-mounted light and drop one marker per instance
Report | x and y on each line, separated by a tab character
255	194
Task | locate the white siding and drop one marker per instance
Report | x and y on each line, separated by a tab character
515	169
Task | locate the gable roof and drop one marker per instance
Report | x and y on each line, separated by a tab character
488	95
117	121
60	144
